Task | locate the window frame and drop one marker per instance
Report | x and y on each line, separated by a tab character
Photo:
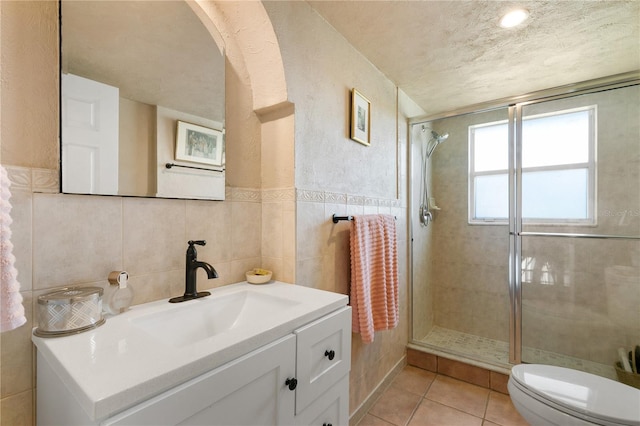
590	165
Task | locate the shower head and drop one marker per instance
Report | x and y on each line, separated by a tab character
439	138
435	140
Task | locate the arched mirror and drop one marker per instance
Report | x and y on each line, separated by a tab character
142	101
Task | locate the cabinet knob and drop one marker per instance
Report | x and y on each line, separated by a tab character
330	354
327	424
292	383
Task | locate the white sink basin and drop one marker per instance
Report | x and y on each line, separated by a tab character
158	345
195	320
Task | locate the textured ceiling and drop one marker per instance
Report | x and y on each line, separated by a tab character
447	55
444	54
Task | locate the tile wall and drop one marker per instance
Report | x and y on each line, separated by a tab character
62	240
323	260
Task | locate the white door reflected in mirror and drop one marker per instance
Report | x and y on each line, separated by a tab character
89	136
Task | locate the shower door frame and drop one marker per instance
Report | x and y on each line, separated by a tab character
514	106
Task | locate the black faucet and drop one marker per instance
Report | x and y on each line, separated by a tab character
190	278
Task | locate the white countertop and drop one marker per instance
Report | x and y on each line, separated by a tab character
117	365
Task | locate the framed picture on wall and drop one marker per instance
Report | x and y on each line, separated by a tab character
199	144
360	118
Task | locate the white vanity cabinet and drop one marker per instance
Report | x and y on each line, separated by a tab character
248	391
298	379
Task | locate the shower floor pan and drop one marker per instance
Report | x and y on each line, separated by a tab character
489	353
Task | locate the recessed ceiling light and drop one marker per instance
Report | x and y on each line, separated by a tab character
513	18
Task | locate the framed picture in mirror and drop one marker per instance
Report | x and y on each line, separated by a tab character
199	144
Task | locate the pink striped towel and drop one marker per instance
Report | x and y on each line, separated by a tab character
374	275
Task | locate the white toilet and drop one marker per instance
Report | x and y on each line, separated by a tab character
549	395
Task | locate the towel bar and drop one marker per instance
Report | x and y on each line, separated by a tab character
170	165
337	219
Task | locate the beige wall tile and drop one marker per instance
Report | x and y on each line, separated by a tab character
21	236
239	267
310	226
18	409
210	221
272	229
246	230
16	353
157	285
289	229
68	227
144	248
309	273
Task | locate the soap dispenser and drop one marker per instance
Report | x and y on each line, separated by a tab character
119	294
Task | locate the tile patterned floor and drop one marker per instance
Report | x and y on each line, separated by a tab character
497	352
419	397
489	350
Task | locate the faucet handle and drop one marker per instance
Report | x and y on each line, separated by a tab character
198	242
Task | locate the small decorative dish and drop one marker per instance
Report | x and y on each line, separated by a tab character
258	276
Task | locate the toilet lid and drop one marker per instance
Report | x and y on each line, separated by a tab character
588	394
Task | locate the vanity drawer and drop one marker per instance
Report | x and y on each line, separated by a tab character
331	409
323	351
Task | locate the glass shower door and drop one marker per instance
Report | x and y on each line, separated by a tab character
577	230
460	300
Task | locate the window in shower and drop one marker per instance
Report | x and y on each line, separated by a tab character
558	169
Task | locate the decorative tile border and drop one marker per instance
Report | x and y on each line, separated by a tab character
279	194
45	180
335	197
309	195
20	178
340	198
355	200
371	202
33	179
48	180
245	194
